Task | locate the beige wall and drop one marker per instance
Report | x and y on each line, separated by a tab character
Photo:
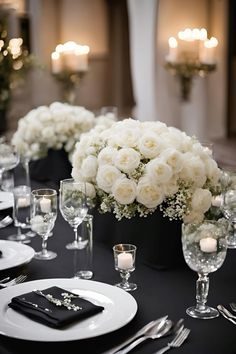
86	22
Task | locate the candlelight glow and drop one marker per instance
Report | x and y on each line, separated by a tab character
173	42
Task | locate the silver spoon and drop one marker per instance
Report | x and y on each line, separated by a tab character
154	333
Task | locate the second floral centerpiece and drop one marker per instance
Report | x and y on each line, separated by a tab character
137	168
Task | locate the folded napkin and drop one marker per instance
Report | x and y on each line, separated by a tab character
58	310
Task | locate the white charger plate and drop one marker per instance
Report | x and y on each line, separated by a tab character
14	254
119	309
6	200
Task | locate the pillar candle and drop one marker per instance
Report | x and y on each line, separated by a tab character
208	244
125	260
45	205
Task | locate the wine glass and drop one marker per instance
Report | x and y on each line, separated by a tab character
9	158
124	257
229	211
21	211
43	217
73	207
204	249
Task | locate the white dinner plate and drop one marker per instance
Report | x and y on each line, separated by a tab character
14	254
119	309
6	200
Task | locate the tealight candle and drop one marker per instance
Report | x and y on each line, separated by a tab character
208	244
125	260
45	205
23	202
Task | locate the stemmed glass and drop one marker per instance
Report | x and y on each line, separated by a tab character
21	211
73	207
43	217
9	158
229	211
204	249
124	257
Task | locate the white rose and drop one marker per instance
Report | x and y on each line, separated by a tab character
194	217
106	177
149	145
159	171
106	156
173	158
193	170
124	190
127	137
201	200
89	167
127	159
212	171
149	193
171	187
90	190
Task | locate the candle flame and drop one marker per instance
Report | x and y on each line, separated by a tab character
173	42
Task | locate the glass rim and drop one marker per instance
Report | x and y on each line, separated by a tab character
37	192
132	247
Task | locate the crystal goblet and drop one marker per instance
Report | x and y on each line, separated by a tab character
124	257
73	208
204	249
43	217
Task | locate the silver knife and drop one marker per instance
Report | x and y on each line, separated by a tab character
140	333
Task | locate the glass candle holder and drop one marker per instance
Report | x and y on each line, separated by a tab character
124	257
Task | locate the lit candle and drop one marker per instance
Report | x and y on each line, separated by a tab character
208	244
45	205
23	202
207	54
125	260
173	50
56	63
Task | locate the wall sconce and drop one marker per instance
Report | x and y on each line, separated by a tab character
69	63
192	55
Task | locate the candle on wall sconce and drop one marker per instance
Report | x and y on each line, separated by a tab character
69	64
193	54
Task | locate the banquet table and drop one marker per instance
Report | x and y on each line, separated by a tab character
160	292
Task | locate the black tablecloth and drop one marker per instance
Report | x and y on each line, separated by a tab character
159	293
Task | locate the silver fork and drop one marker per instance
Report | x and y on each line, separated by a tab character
176	342
233	306
5	221
14	281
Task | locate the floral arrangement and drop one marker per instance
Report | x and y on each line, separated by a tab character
57	126
134	168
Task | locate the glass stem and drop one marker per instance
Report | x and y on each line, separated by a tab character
76	233
44	245
125	277
202	288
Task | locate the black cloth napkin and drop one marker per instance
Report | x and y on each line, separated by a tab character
55	316
0	253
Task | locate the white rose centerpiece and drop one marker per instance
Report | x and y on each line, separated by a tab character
57	126
134	168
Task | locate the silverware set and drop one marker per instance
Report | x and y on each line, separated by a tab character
154	330
17	280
